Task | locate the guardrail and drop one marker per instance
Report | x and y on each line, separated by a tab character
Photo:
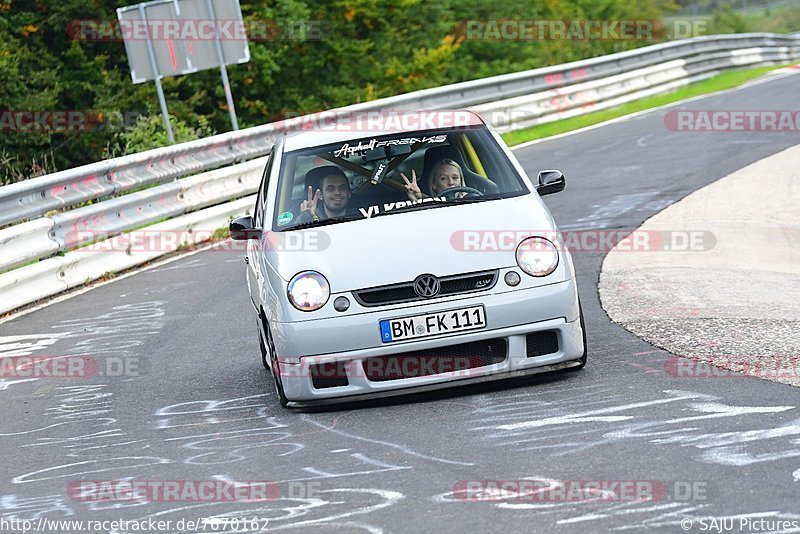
36	196
509	101
595	95
47	236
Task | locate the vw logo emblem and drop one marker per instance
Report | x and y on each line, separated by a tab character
426	285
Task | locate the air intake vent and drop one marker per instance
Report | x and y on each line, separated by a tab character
541	343
435	361
329	375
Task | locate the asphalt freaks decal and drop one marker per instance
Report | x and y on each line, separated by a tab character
347	150
389	206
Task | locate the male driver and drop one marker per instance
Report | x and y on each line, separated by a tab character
334	191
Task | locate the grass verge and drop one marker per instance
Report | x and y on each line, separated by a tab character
720	82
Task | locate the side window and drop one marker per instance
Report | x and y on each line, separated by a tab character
258	213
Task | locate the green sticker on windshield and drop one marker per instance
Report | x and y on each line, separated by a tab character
285	218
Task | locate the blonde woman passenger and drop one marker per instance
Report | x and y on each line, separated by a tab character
444	175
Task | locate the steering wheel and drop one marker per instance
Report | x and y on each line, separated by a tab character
471	192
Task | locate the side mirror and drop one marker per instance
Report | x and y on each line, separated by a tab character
550	182
244	228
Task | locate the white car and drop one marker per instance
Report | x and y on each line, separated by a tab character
391	259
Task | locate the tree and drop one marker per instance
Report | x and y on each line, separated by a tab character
306	55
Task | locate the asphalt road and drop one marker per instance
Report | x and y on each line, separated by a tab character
203	407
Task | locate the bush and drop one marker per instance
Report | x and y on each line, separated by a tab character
726	20
354	51
149	132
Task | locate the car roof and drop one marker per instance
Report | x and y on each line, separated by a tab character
342	126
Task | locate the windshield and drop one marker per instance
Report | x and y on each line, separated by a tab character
383	175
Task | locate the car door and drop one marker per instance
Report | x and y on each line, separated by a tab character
255	247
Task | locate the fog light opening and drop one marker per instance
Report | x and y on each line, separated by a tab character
512	278
341	304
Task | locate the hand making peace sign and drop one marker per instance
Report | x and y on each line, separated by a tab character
310	205
412	189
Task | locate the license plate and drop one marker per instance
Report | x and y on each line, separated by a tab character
433	324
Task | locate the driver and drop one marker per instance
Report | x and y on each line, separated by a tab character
334	192
444	175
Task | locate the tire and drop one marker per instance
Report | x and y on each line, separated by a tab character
270	362
262	346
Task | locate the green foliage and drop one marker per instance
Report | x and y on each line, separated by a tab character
149	132
324	54
726	20
742	16
223	232
781	21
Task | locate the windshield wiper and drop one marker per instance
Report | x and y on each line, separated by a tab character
403	209
324	222
426	205
412	207
472	200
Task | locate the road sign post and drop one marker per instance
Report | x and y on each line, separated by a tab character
171	37
226	86
157	77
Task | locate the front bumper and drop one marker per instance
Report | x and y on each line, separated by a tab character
510	315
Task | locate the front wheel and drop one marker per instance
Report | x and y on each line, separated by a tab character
262	347
270	361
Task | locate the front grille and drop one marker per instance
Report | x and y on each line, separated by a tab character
541	343
328	375
404	292
435	361
387	295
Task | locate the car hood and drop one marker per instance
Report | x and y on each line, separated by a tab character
399	247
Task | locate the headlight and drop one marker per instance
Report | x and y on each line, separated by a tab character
537	256
309	291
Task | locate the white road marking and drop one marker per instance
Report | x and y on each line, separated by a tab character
400	447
